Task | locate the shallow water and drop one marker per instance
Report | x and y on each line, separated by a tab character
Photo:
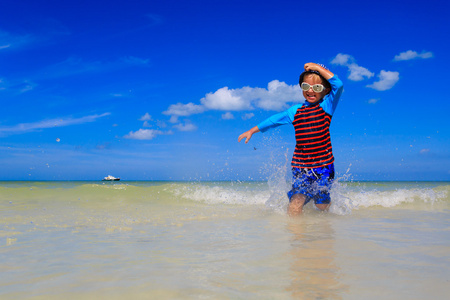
222	240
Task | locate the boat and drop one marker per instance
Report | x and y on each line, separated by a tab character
110	178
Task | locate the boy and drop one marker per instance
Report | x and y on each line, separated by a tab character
312	163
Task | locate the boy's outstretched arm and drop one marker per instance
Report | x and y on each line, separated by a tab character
248	134
327	74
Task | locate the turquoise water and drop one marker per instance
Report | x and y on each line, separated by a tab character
222	240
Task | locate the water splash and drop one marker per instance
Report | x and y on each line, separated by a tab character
348	196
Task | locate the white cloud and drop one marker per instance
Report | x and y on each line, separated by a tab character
274	97
185	127
387	80
408	55
425	151
173	119
342	59
227	116
248	116
161	124
277	95
373	101
357	73
131	60
10	41
184	110
28	127
226	99
75	66
27	86
143	134
17	86
146	117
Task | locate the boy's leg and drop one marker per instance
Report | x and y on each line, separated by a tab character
323	206
295	207
325	178
301	181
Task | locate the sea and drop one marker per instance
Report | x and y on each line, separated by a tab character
222	240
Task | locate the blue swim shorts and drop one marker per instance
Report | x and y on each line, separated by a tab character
314	183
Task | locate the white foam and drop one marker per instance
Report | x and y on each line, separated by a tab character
345	199
222	194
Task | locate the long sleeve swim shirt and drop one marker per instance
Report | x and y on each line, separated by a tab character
312	128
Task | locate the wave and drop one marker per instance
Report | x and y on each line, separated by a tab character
346	197
349	197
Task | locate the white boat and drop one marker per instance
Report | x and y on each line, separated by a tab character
110	178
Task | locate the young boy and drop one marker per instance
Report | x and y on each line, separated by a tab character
312	163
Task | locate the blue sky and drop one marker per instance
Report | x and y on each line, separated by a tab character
160	90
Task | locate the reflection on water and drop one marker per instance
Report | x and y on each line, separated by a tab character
314	272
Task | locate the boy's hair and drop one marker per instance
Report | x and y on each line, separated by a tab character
315	73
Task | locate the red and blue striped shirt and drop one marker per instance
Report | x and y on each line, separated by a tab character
312	128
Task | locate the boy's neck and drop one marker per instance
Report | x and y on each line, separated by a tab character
311	104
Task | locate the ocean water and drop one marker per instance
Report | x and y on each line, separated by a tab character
222	240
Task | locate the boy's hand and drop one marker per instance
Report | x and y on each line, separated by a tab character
248	134
311	67
327	74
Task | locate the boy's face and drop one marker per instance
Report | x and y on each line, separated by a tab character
311	96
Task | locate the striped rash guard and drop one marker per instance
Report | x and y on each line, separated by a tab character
312	128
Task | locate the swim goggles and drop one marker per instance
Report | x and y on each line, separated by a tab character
316	87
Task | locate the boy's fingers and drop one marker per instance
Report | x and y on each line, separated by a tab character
242	136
